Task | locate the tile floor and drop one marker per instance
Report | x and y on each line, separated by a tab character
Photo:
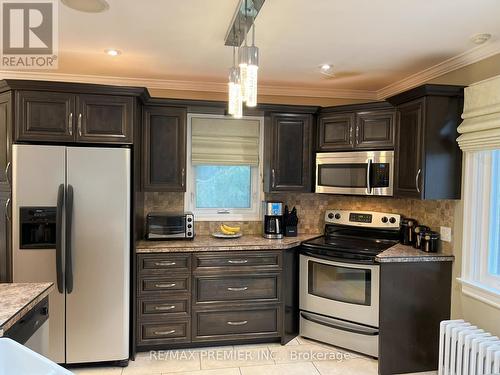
299	357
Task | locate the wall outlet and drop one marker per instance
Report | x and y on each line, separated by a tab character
445	234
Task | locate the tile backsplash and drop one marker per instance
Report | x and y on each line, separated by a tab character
311	208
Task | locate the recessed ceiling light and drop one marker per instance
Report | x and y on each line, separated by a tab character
113	52
326	69
89	6
480	38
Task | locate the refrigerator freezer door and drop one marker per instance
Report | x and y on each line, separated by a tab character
97	308
37	173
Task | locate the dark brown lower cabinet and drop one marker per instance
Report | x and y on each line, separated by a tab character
216	297
414	298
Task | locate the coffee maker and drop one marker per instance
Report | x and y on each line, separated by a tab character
273	220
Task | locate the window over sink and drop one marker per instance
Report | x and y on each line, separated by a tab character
224	174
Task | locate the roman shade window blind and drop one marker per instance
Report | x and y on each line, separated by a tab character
480	130
217	141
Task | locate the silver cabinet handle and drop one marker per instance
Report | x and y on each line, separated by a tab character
183	176
241	323
273	178
357	134
165	285
7	213
351	140
70	124
417	185
80	124
165	264
164	308
163	333
237	289
237	261
7	172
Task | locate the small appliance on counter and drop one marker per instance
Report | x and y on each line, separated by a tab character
407	231
169	225
290	220
429	242
273	220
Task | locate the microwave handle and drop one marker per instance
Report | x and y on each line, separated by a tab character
368	176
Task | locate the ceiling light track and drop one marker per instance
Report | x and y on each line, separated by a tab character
242	21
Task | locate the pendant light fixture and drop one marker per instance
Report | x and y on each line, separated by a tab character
235	102
243	65
251	74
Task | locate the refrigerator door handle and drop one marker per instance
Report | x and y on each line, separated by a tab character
69	221
59	259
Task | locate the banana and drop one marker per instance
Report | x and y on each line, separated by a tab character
225	231
231	229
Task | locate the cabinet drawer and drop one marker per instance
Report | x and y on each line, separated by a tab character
165	284
160	308
163	333
238	260
236	288
234	324
158	263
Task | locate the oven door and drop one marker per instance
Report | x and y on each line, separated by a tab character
167	227
358	173
343	290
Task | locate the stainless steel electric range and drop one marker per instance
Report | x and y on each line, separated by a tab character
339	279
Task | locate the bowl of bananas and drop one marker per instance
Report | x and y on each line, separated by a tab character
226	231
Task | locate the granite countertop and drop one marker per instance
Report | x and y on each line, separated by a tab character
17	299
403	253
209	243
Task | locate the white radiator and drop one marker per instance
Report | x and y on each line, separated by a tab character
465	349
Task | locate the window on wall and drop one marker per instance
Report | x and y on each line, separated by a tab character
224	167
481	245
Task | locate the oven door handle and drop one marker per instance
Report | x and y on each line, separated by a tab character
313	254
338	324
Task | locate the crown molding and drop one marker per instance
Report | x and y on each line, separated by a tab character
466	58
163	84
456	62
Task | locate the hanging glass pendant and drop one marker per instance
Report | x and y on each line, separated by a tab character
252	69
243	65
235	103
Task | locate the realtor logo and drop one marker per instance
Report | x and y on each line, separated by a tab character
29	34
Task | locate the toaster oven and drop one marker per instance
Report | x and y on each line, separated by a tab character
166	225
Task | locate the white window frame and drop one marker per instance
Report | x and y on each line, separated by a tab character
476	281
213	214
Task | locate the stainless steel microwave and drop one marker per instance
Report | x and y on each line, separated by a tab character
355	173
164	226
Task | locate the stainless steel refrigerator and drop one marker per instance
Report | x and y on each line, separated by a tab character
71	225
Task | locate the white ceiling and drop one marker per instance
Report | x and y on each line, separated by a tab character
371	43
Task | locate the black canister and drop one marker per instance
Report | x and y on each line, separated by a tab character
407	234
417	231
429	242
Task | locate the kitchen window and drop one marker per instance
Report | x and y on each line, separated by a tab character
224	174
481	261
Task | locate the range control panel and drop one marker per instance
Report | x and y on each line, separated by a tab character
363	219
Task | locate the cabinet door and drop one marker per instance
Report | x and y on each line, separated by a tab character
164	149
5	225
5	138
45	116
291	145
105	119
335	132
409	168
375	130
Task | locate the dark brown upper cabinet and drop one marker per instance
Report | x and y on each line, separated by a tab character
288	152
375	130
428	161
45	116
65	113
5	140
103	118
335	132
359	126
164	148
